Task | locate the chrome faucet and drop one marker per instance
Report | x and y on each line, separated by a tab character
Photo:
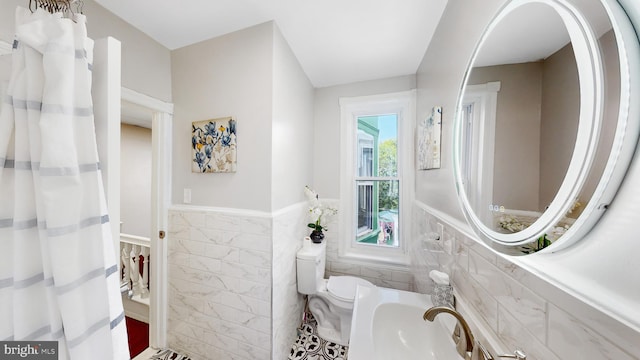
464	346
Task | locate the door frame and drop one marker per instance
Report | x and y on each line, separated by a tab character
484	98
161	140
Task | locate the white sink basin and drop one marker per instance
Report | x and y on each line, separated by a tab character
388	324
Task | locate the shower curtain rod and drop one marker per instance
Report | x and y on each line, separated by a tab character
54	6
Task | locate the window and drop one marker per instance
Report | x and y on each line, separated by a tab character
377	176
377	179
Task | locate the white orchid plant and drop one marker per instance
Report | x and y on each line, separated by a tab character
317	210
514	224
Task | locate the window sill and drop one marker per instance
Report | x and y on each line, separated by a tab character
368	237
394	262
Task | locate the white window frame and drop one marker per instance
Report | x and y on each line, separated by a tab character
403	104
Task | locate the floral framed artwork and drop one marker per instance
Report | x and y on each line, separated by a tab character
429	135
214	144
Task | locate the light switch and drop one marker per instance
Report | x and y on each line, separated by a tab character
187	196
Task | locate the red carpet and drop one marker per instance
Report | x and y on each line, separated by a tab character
138	333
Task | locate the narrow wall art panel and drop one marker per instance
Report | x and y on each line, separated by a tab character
429	135
213	145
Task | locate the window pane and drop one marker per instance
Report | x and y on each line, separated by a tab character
377	211
378	145
365	208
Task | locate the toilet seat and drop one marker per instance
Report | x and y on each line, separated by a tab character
344	287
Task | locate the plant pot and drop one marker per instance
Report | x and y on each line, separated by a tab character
316	236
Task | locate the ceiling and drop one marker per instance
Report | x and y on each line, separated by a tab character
335	41
519	37
533	32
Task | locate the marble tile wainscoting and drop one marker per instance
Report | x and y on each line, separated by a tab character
232	281
519	308
219	276
289	229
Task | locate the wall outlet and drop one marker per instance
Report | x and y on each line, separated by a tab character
187	196
441	231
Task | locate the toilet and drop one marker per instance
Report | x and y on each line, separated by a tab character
330	300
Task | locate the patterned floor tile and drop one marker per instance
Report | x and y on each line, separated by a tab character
310	346
168	355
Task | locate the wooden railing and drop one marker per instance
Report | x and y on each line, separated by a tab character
134	261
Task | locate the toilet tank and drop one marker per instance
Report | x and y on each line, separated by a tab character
310	263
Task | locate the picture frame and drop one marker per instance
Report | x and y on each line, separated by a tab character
429	140
214	146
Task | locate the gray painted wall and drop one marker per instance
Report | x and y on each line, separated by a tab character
292	134
516	167
230	75
135	180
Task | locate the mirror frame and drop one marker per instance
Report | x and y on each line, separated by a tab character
590	72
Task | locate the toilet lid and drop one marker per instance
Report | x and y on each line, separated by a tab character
344	287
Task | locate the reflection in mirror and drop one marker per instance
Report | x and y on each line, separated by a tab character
520	116
536	117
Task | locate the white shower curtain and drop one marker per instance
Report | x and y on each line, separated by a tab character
58	272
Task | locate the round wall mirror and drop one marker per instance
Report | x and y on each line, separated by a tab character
543	136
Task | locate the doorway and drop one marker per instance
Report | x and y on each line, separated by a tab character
144	112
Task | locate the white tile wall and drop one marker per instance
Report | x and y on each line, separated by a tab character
521	310
289	229
220	284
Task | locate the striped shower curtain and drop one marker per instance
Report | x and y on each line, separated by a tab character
58	272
